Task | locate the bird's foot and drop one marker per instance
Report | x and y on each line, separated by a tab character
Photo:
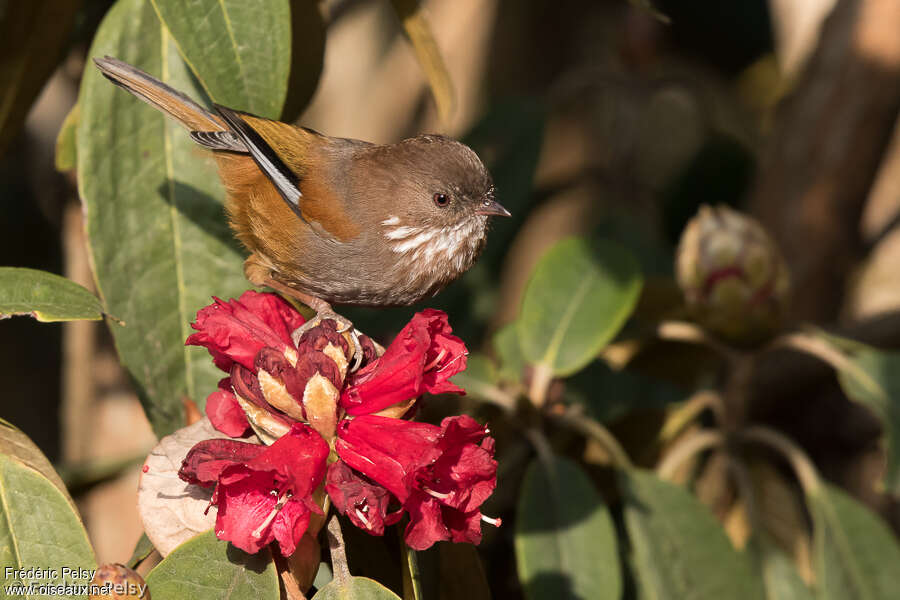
343	326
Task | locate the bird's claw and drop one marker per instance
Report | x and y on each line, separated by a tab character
342	325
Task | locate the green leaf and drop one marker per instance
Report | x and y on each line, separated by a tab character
155	222
142	550
776	570
32	37
206	568
39	529
45	296
855	553
15	444
419	33
307	56
578	298
240	50
66	150
509	351
355	588
872	377
680	551
565	540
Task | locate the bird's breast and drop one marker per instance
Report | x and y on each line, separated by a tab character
428	257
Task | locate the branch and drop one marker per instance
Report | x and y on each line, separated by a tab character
338	551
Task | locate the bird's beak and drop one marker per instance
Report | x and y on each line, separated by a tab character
492	208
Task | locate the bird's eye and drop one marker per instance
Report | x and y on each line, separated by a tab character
441	200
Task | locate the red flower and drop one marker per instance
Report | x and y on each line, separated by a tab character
296	395
236	330
441	475
224	412
422	358
263	493
364	502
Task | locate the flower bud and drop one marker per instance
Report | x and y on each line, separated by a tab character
733	277
118	582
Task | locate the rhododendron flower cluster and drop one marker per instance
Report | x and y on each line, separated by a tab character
325	430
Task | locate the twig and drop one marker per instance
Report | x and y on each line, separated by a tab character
291	586
746	492
684	331
541	377
687	447
794	454
690	410
594	430
338	551
826	352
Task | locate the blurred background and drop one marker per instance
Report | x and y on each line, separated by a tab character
595	115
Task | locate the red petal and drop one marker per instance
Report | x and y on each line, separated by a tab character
297	457
207	459
365	503
268	496
235	331
464	527
224	412
442	475
426	523
244	506
387	450
289	526
422	358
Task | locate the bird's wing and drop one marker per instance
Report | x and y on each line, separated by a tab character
286	181
291	158
219	140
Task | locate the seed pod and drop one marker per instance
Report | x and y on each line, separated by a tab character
734	279
118	582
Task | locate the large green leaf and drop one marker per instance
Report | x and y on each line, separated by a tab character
355	588
776	570
680	552
577	299
855	553
39	530
206	568
872	377
509	352
15	444
45	296
565	540
32	37
155	222
240	50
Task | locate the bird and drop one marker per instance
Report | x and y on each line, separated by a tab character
331	220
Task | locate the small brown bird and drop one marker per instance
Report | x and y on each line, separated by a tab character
336	220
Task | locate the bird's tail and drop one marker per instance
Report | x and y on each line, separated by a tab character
159	95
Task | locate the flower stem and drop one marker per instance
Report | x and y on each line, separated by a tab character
291	586
685	331
541	378
803	468
686	448
338	551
